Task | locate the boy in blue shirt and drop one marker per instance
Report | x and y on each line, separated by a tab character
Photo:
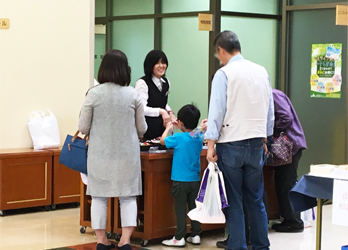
186	172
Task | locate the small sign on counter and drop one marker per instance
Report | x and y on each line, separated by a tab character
340	203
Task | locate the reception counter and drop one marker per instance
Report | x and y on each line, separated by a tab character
156	215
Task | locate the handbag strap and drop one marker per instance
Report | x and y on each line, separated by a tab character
222	190
86	137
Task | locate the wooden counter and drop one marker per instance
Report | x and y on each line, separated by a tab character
268	175
156	215
25	178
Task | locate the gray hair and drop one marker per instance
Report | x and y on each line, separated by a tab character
227	40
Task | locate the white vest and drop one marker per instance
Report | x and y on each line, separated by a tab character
248	93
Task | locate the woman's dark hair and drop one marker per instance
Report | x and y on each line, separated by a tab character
152	59
189	115
114	68
227	40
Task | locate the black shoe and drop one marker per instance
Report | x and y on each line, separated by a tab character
101	246
287	228
221	244
125	247
275	225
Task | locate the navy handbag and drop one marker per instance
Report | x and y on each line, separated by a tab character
74	153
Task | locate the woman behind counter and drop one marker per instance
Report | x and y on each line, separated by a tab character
153	89
113	116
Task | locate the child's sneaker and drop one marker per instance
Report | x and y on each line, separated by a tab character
194	240
174	242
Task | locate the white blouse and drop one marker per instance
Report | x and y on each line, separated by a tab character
143	91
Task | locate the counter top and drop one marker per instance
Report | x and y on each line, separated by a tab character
55	151
164	154
22	152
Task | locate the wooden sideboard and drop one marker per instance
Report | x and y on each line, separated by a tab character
33	178
25	178
66	182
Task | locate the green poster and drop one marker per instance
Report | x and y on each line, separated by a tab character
326	77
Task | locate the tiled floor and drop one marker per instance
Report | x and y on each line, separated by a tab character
89	246
60	228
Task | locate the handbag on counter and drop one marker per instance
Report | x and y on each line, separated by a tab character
282	150
74	153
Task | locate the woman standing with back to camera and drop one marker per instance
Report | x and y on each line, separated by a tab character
113	116
153	89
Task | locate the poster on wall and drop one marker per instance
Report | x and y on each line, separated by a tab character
326	77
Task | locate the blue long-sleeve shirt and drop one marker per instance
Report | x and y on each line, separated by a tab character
218	102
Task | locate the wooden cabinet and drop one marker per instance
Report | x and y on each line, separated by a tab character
156	215
66	182
25	178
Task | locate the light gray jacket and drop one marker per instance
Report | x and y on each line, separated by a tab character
113	116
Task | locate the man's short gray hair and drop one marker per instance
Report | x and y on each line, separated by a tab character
227	40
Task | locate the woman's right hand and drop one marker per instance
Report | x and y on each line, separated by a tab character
165	117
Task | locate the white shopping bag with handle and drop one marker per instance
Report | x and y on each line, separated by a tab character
211	198
308	216
44	130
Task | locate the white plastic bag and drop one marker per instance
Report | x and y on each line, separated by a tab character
307	216
84	178
44	130
211	198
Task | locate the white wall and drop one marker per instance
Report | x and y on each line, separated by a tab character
46	61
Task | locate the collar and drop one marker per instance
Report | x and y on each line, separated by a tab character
236	58
156	80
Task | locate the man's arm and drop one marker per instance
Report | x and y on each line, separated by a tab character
270	116
217	111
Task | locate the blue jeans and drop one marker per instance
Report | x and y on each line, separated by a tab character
241	163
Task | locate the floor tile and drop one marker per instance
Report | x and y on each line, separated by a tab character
60	230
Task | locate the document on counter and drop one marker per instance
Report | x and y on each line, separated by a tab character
340	203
